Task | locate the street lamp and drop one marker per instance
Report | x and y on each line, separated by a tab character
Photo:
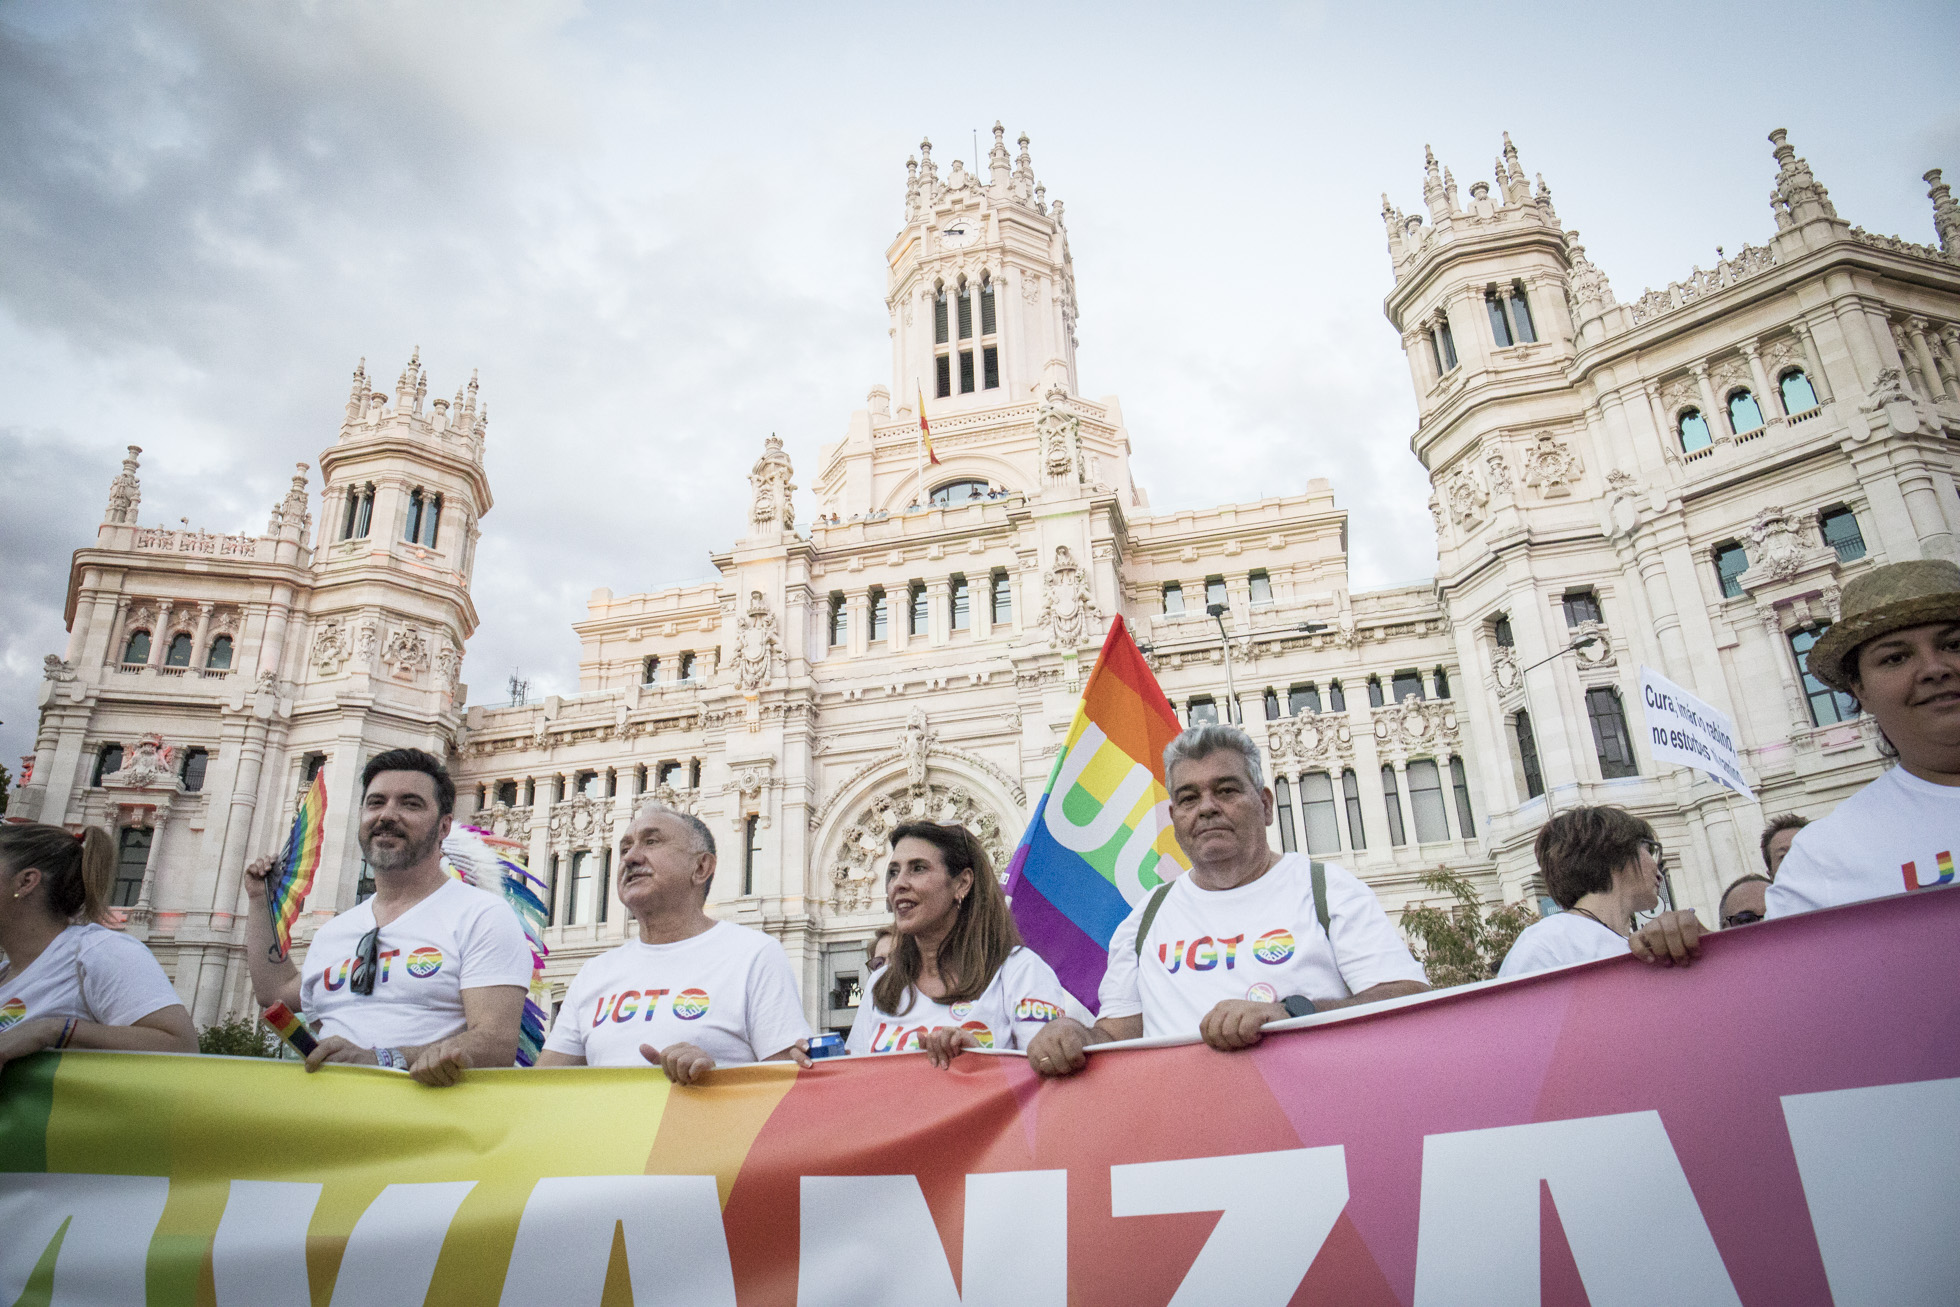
1524	683
1217	612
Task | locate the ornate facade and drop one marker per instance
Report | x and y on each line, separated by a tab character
1683	482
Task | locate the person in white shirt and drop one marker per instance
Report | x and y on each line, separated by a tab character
959	976
691	993
1239	940
67	981
1896	648
1601	865
427	976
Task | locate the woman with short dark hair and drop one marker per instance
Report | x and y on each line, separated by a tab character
960	976
1601	865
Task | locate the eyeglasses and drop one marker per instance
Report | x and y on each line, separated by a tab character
1741	918
1653	848
367	960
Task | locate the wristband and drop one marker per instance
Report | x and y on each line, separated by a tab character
390	1058
67	1032
1298	1005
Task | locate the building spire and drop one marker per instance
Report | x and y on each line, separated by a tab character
1432	186
1516	188
1023	173
1946	213
999	171
1545	201
911	187
1799	197
358	395
125	492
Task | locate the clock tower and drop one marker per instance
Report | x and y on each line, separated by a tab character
982	291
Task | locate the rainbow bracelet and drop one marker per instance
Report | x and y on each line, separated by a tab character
67	1032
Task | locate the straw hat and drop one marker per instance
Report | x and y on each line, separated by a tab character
1884	600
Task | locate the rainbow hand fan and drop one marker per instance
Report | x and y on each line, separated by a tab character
491	862
288	887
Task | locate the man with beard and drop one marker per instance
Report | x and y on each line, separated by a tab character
428	976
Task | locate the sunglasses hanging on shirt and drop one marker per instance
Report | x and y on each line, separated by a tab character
367	960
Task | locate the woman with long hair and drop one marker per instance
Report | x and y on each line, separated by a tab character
67	980
960	976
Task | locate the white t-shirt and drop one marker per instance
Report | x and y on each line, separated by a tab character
1560	940
1259	941
1024	996
1898	834
90	972
729	991
457	938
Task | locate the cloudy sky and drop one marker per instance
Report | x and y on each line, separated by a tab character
658	230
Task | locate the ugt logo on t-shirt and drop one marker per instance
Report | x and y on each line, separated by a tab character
1206	953
1910	870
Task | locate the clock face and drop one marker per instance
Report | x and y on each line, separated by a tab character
959	233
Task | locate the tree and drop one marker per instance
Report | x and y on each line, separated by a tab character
244	1036
6	784
1463	941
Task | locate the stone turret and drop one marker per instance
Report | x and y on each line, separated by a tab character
1946	213
125	493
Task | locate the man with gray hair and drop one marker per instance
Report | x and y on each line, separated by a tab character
689	994
1246	937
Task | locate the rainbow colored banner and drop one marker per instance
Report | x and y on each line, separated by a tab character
1098	840
1779	1124
286	889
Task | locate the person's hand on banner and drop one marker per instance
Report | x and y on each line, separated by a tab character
944	1044
683	1063
335	1049
1238	1023
440	1065
1056	1049
1672	939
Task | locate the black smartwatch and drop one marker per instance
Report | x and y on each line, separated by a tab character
1297	1005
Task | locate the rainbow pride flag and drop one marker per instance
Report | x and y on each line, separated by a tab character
491	862
1100	839
287	888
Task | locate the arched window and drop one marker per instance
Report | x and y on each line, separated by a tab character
218	658
966	335
1693	430
360	512
108	761
939	326
956	493
989	346
1799	396
431	519
413	531
138	648
1745	414
179	652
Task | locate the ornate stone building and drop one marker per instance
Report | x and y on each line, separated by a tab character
1683	482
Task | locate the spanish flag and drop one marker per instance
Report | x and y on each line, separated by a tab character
925	429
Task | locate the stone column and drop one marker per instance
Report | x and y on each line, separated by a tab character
160	631
1761	378
159	824
1916	379
1949	340
1820	384
857	619
1786	667
200	650
1936	385
1858	342
1709	408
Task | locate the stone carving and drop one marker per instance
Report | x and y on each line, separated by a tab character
769	479
1059	431
1346	634
1622	504
1504	668
364	641
151	761
1834	600
1590	290
857	873
1068	610
1550	466
407	652
756	644
449	665
667	796
1500	471
915	747
1678	394
747	785
1597	654
1311	740
291	511
1030	287
502	819
1727	272
267	682
1779	541
1466	497
125	492
1436	512
581	821
56	669
1415	726
331	645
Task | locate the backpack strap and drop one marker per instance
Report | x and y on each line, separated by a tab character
1150	915
1320	900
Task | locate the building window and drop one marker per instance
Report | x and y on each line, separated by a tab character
1203	709
878	625
132	855
1261	586
1319	816
1375	692
360	512
507	793
1745	414
1393	798
1351	794
431	519
986	304
1426	802
1336	702
1534	778
939	332
693	773
586	783
1827	706
108	761
1283	799
650	670
578	895
1442	344
751	847
218	657
1500	631
1002	599
1406	683
1500	330
1520	304
311	768
1799	396
191	770
551	891
1173	599
962	605
138	648
412	531
1272	704
1610	738
687	669
1302	699
604	888
1214	590
955	493
918	620
1581	606
840	630
966	310
1731	561
1460	782
179	652
966	372
1692	428
1442	683
1840	530
942	385
990	367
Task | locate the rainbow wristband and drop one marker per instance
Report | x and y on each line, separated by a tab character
67	1032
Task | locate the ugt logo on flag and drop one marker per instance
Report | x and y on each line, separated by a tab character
1100	839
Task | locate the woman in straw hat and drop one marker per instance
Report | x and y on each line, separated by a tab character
1896	648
